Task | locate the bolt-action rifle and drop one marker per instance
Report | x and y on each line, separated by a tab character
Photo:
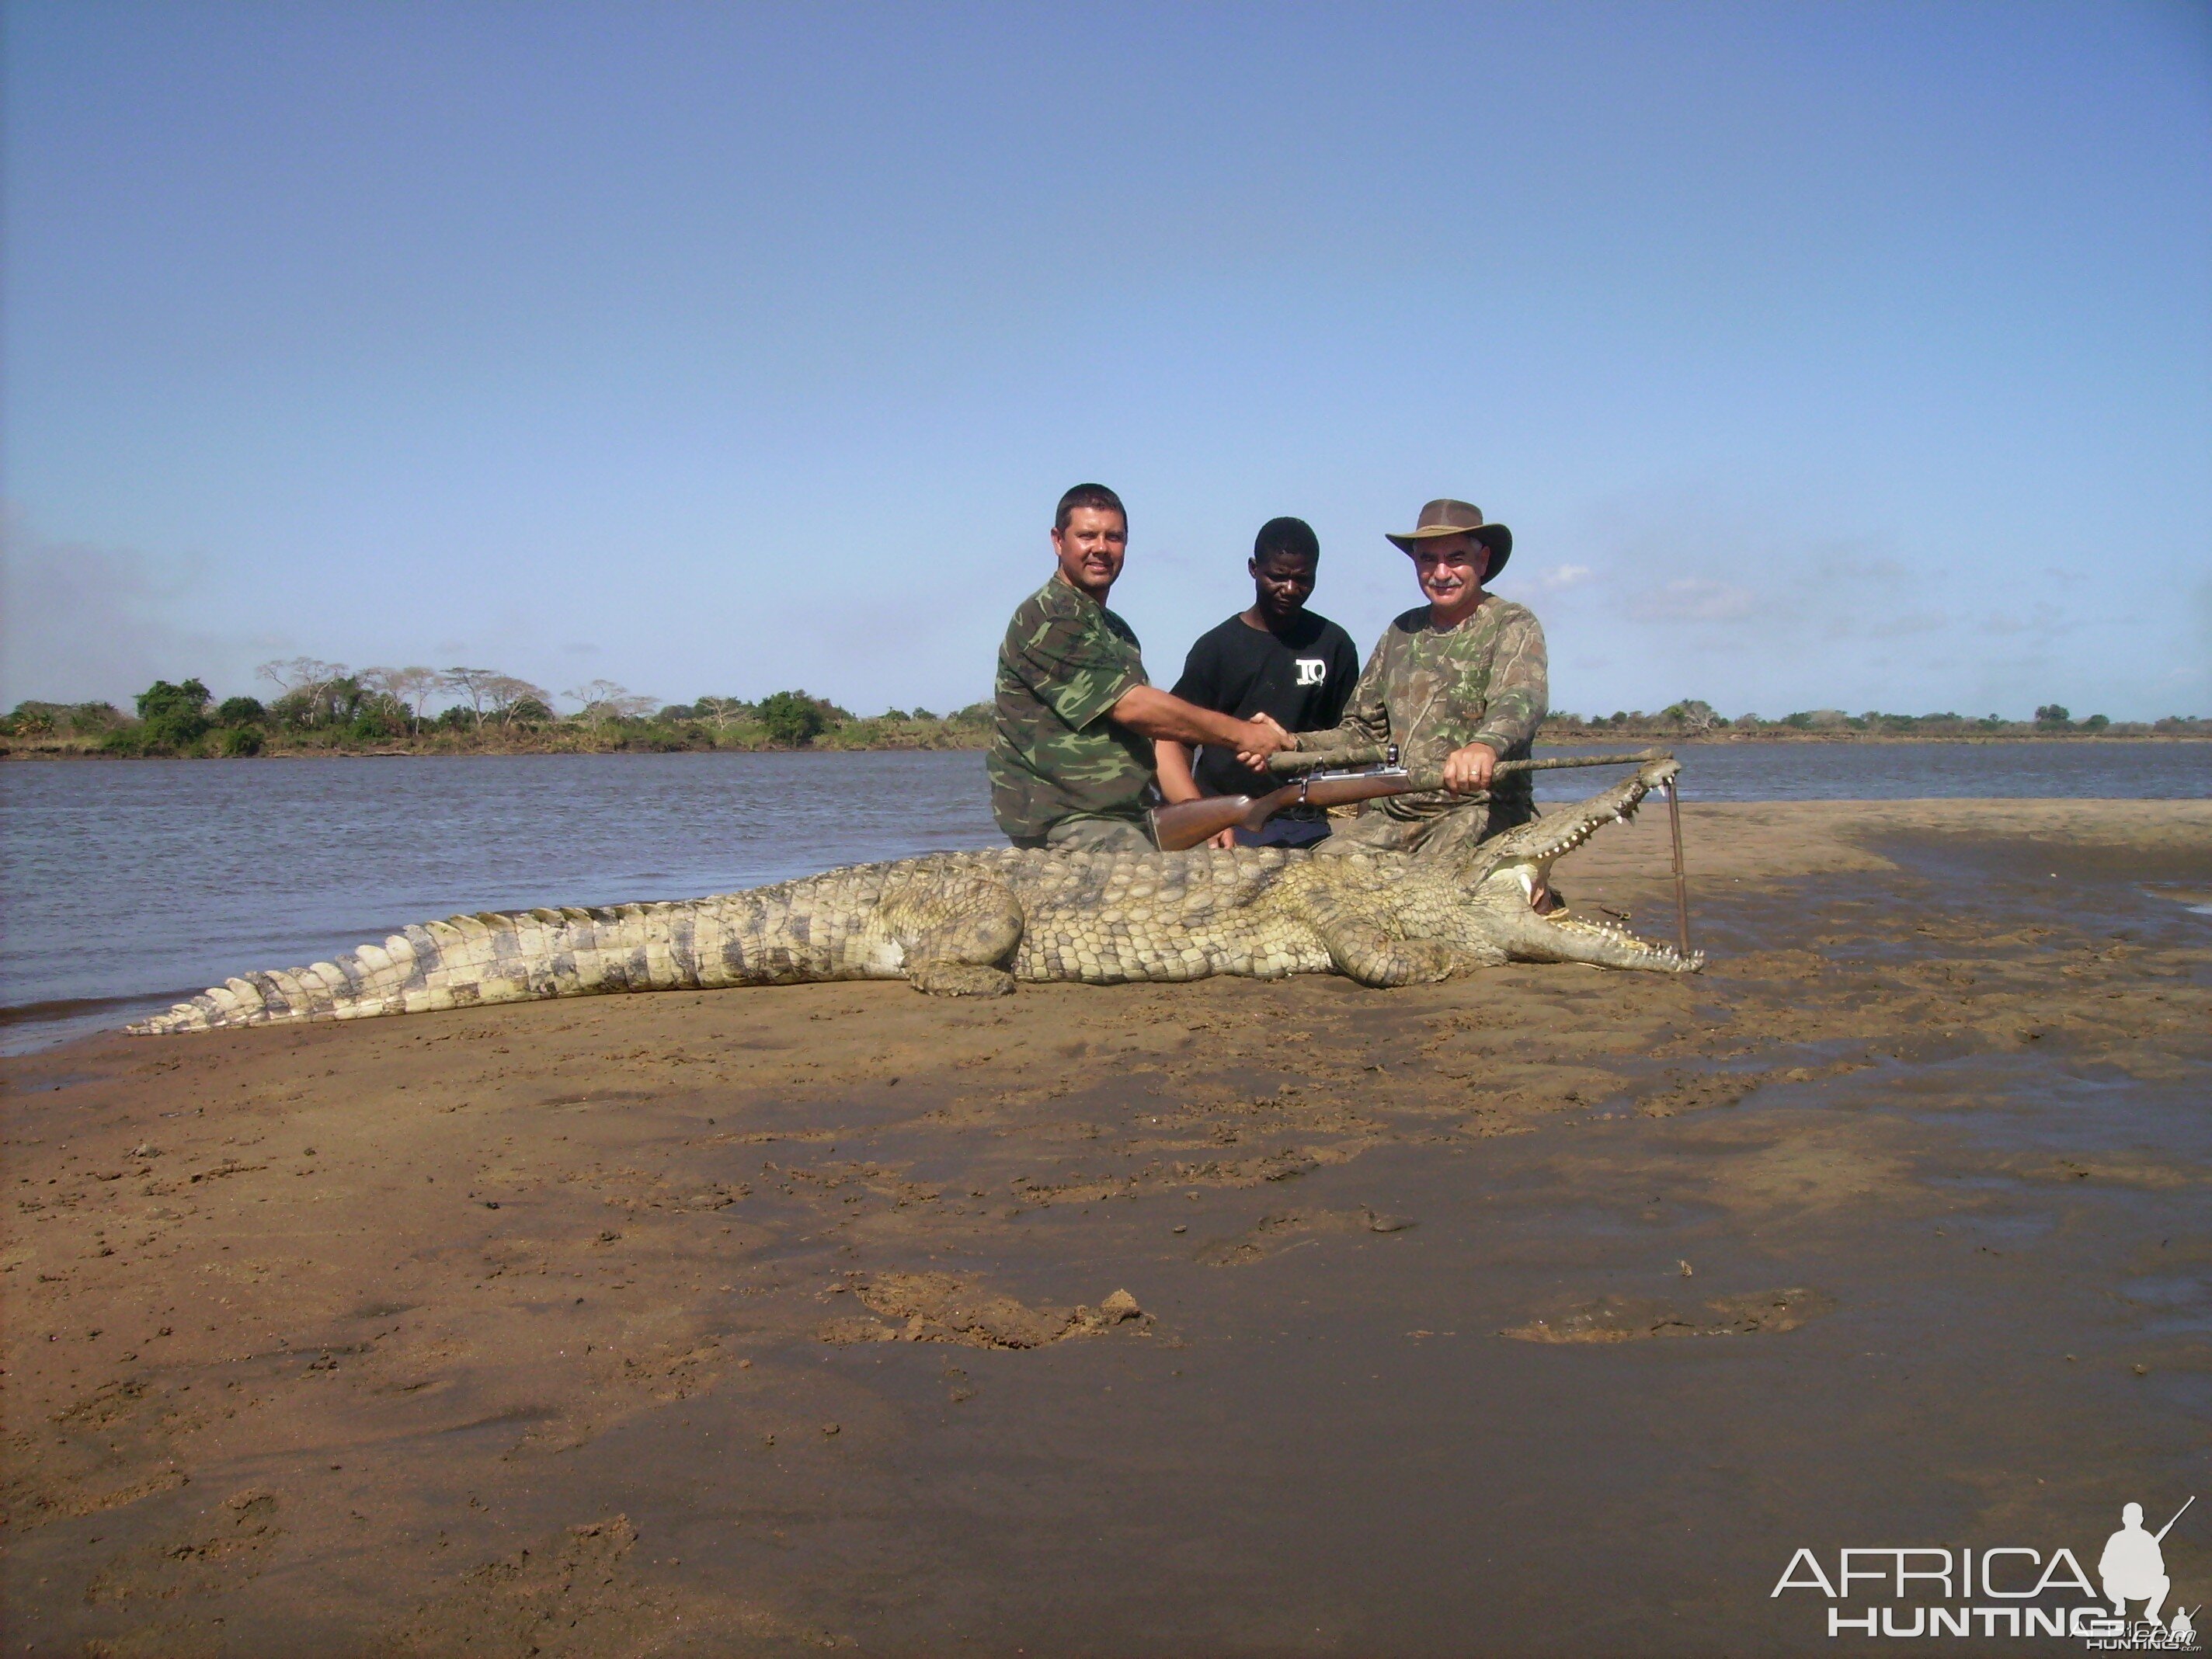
1364	775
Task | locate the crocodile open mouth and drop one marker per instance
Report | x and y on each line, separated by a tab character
1536	860
1524	857
1619	936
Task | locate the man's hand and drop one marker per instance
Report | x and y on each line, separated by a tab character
1226	840
1468	770
1261	737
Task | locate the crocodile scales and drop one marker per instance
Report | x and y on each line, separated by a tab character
976	923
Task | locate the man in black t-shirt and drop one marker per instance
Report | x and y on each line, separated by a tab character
1277	657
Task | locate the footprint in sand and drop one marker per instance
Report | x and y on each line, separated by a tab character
1629	1319
1287	1229
935	1307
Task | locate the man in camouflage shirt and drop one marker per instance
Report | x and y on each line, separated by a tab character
1071	757
1459	685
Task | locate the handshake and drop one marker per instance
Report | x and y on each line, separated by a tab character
1160	715
1467	770
1262	736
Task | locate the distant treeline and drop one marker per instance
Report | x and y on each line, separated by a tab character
324	707
1695	719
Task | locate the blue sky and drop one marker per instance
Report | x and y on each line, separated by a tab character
1848	354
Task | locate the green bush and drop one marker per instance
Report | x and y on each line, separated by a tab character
241	711
372	724
177	731
793	717
237	741
80	720
162	698
175	716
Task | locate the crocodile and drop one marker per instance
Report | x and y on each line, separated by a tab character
975	923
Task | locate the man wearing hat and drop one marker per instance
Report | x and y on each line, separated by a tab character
1459	685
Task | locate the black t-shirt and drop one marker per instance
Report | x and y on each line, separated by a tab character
1303	677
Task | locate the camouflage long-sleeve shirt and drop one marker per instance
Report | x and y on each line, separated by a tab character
1066	661
1484	681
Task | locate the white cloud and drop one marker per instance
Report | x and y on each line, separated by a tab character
1697	598
1729	580
2043	621
1561	576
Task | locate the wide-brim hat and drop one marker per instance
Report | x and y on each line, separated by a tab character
1449	518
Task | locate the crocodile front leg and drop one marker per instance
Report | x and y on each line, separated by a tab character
1363	951
955	934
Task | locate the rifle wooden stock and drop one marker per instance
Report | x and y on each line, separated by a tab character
1181	825
1185	824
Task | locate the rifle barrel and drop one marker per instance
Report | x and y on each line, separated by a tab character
2177	1513
1180	827
1291	761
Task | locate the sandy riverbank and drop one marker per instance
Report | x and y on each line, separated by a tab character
750	1320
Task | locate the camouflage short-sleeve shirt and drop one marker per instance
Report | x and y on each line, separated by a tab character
1066	661
1431	692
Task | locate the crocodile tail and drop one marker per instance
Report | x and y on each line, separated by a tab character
522	955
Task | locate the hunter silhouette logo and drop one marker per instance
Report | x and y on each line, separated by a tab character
2133	1566
1995	1591
1312	670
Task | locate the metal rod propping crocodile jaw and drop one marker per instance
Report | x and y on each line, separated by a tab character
1674	788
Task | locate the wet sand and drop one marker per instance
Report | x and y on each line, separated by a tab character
1546	1310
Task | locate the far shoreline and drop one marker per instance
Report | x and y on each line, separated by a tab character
330	711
